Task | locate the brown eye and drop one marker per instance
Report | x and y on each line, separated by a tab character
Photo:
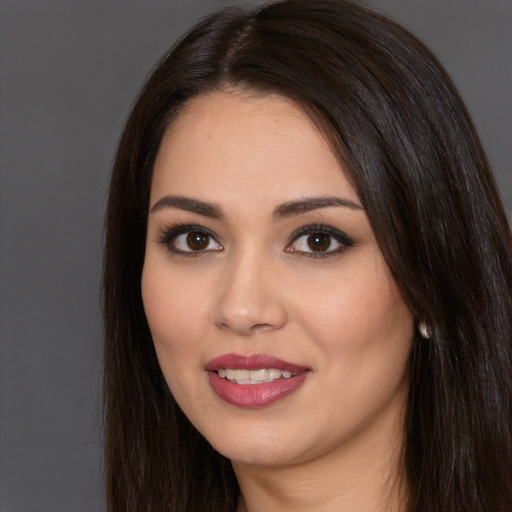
319	242
182	240
190	240
198	241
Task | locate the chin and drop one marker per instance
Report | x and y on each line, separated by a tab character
267	444
259	452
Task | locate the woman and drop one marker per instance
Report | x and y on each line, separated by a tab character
307	277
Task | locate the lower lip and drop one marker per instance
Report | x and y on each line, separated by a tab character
255	395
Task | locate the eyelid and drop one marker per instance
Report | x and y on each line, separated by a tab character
170	233
342	238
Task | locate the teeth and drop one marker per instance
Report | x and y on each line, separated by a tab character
253	376
274	374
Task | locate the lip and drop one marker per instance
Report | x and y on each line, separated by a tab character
252	362
254	395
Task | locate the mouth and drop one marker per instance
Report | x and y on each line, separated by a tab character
260	376
254	381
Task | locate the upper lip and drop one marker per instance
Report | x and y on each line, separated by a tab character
252	362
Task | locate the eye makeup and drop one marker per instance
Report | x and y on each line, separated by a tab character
310	241
318	241
188	240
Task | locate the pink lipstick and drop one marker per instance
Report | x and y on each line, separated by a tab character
254	381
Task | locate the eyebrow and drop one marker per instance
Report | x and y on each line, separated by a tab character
313	203
190	205
288	209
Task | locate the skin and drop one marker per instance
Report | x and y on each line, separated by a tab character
334	443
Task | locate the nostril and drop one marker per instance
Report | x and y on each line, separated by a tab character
262	327
248	322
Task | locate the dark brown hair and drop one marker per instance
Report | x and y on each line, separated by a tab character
401	131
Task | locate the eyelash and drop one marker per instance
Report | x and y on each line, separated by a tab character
169	235
168	238
320	229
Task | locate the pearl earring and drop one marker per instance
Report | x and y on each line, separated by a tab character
425	330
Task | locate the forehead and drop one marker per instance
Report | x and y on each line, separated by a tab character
236	143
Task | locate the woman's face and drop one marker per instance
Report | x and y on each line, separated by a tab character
276	322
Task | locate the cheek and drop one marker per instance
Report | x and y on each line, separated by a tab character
175	329
360	320
362	332
173	312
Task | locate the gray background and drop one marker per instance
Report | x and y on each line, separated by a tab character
69	71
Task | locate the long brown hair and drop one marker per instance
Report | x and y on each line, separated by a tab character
401	131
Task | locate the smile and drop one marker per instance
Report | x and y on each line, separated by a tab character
254	376
253	381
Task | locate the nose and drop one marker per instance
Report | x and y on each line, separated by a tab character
249	298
